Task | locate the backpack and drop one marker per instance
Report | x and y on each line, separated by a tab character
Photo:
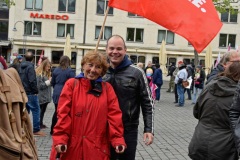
16	134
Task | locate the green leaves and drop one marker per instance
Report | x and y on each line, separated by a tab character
226	5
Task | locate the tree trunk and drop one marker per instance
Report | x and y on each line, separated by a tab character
195	58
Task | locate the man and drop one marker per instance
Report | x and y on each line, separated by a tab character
224	63
180	77
131	87
198	83
170	73
29	81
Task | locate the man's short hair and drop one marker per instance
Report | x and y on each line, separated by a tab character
29	56
116	35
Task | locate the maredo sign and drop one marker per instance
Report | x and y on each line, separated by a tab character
49	16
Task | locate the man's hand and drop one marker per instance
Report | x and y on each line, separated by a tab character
148	138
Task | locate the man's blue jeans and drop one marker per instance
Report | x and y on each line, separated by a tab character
180	91
158	92
33	106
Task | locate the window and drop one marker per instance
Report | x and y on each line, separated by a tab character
107	32
229	17
34	4
226	39
36	54
66	5
135	34
186	61
133	15
202	62
64	29
102	6
155	60
172	60
167	36
32	28
56	55
3	30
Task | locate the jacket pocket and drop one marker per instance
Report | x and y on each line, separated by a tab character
9	153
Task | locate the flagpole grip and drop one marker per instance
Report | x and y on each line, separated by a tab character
101	31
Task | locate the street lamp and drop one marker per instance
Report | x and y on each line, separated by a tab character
25	32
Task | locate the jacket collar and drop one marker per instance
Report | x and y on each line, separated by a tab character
96	85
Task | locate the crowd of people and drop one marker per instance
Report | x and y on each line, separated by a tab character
97	111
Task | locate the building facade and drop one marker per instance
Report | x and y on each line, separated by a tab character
5	45
42	26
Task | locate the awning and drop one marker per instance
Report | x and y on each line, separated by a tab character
4	43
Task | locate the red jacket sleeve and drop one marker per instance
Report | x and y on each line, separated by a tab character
63	127
114	118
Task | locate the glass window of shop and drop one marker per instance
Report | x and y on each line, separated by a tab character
102	6
36	54
56	55
34	4
64	29
66	5
155	60
107	32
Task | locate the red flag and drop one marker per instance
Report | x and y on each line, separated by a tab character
195	20
40	59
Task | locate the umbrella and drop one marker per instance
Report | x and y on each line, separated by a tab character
163	57
208	60
67	47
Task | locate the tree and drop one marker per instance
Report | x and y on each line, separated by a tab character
9	2
226	5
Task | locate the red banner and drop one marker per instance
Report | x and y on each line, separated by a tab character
40	59
195	20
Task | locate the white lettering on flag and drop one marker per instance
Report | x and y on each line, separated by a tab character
198	4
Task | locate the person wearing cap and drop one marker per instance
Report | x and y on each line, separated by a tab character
181	76
199	79
20	58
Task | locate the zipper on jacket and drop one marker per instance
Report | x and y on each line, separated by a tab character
129	111
10	151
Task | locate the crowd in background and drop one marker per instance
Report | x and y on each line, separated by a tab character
215	98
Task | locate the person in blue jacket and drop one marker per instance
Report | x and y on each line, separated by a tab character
59	76
157	79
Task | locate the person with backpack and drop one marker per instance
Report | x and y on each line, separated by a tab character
28	76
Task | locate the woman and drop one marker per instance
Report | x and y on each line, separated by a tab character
213	137
59	76
43	74
89	115
157	79
234	115
199	78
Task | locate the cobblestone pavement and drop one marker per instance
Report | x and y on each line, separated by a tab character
174	128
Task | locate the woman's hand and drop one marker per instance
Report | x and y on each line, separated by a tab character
120	149
61	148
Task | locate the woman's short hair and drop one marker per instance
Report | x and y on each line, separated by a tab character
96	57
233	71
64	62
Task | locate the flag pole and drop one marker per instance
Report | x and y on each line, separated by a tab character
101	31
